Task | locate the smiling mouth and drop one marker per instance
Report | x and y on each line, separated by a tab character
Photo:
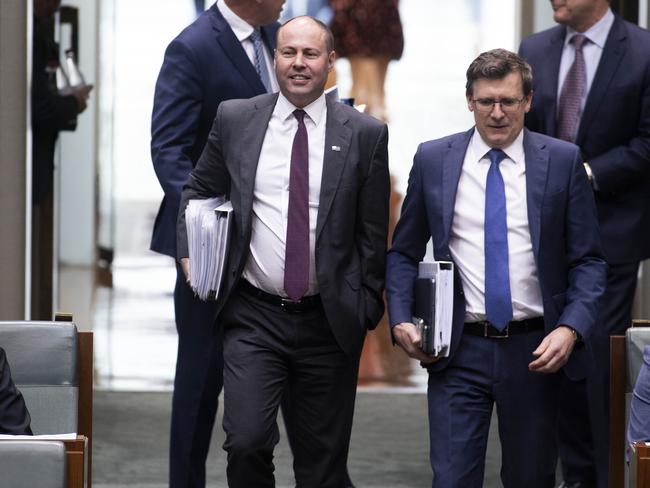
299	77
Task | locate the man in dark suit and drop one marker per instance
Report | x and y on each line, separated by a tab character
513	210
14	417
52	112
216	58
592	87
308	181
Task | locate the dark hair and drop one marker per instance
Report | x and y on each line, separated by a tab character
329	37
497	64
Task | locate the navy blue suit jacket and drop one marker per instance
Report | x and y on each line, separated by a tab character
203	66
614	134
562	223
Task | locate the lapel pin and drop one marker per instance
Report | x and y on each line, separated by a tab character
336	148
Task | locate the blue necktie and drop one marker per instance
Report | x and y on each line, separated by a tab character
498	302
260	60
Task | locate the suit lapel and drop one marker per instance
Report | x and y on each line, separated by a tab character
235	52
337	134
452	163
537	158
549	78
609	62
251	142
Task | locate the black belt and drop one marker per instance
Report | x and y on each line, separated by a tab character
286	304
486	329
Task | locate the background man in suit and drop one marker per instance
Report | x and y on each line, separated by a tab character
14	417
224	54
51	113
308	180
592	87
513	210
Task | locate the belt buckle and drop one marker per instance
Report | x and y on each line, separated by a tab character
289	306
496	334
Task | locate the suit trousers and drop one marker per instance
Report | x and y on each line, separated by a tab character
584	439
197	385
484	372
268	351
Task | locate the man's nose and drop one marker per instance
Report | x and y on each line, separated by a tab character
497	112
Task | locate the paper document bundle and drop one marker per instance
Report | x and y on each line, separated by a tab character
434	306
208	225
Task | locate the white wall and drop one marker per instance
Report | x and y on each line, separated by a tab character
78	155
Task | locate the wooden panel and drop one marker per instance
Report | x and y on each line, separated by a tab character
75	456
617	374
86	371
641	463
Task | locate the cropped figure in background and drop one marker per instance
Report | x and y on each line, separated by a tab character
14	417
226	53
513	210
592	87
52	112
639	424
308	180
369	34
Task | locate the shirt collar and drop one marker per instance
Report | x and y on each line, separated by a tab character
239	26
597	33
515	151
315	110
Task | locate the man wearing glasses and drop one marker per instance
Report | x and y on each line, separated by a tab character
514	211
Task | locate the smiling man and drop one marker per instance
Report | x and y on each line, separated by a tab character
309	184
513	210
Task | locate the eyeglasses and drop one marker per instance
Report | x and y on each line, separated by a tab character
506	104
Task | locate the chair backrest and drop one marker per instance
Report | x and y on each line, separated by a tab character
26	464
636	338
43	357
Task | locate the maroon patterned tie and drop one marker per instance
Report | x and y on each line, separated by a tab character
296	258
572	92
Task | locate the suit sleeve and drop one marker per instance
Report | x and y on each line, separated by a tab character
208	179
14	417
587	268
620	166
372	229
175	118
409	247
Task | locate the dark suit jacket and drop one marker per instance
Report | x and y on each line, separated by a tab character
351	229
614	134
51	112
14	417
562	224
203	66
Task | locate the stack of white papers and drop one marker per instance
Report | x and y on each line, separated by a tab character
434	306
208	225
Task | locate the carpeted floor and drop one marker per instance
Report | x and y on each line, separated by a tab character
389	443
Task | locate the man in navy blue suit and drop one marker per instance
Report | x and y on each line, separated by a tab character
514	211
223	55
592	87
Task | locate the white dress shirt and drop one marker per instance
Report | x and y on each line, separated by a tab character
242	31
466	241
592	51
265	265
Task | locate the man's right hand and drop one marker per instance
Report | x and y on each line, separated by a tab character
185	266
407	336
81	95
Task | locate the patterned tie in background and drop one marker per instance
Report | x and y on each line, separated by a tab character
498	302
296	258
260	61
572	92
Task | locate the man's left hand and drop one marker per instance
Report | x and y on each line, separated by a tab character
554	351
